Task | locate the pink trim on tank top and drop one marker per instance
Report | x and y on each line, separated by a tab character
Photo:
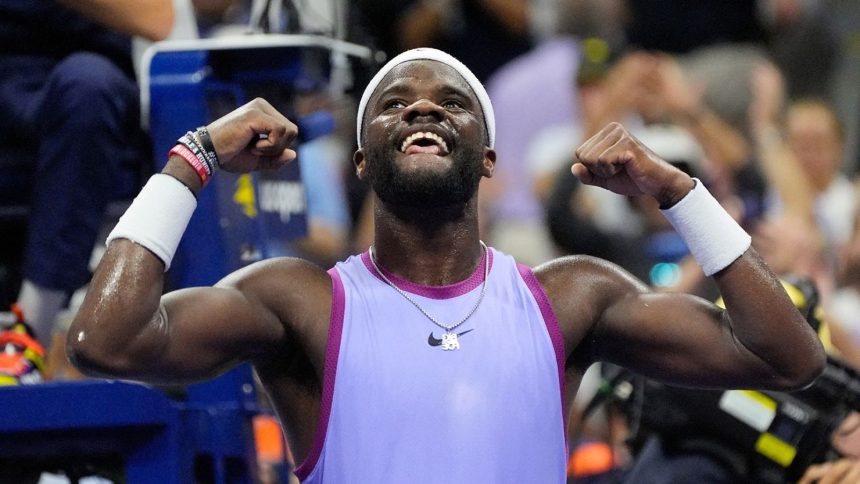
332	350
434	292
552	328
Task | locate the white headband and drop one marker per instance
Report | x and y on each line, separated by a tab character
426	53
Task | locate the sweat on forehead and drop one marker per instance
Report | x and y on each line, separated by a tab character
434	55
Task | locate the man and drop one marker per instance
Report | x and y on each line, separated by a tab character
430	358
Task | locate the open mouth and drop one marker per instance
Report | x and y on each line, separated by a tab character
424	142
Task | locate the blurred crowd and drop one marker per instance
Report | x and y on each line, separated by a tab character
756	98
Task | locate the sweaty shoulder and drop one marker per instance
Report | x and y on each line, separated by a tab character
298	292
580	288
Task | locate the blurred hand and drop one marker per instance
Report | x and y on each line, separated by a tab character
846	438
676	93
253	137
789	245
767	96
632	84
842	471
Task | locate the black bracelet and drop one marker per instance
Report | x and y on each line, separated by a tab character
206	141
189	141
204	154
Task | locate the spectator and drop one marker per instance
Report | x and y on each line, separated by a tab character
814	135
804	168
483	34
69	101
533	94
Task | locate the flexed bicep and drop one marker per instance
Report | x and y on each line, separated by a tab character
200	332
760	341
184	335
609	315
676	338
196	333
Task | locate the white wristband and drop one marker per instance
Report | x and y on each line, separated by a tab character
157	217
711	234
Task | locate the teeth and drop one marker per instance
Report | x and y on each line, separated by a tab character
424	135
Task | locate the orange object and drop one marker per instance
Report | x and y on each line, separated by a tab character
269	438
589	459
18	312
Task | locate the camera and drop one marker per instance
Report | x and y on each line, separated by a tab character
754	436
758	436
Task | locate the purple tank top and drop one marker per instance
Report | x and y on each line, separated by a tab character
397	408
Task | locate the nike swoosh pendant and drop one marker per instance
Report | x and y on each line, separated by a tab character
452	339
450	342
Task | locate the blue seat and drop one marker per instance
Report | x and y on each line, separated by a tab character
156	438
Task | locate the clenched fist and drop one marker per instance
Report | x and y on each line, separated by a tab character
253	137
615	160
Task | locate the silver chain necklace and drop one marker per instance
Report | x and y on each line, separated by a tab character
449	338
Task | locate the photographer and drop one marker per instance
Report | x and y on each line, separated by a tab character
685	435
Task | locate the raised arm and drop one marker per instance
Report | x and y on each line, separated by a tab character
761	340
126	329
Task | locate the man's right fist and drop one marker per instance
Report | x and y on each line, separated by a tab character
253	137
